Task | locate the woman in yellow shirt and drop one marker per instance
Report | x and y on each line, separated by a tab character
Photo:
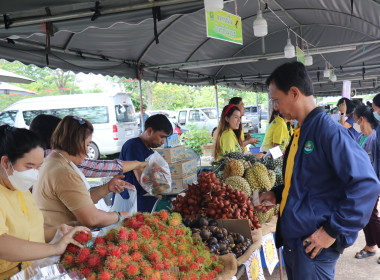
22	234
229	131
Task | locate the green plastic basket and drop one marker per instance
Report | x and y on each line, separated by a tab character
260	137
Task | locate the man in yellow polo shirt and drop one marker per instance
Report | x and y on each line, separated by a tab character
330	186
276	135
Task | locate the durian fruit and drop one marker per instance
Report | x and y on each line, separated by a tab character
251	179
235	155
239	183
279	178
272	178
245	164
237	168
261	175
264	217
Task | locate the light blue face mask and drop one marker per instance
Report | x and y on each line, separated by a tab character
376	115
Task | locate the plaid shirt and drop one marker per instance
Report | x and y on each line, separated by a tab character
98	168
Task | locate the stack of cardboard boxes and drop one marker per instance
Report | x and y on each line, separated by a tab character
183	171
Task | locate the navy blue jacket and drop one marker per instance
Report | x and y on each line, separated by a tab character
333	185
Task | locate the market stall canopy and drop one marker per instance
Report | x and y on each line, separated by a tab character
6	88
10	77
166	40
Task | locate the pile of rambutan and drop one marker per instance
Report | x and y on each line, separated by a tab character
146	247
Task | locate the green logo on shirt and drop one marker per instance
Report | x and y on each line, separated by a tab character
309	147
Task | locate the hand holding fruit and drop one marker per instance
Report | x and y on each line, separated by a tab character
266	196
76	236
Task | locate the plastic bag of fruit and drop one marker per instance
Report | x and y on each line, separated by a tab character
156	178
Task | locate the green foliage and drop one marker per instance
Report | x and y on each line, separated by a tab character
196	137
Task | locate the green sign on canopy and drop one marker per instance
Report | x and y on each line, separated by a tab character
300	55
224	26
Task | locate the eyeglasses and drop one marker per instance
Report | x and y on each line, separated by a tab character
81	121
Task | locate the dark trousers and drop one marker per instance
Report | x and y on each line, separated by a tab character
372	229
299	266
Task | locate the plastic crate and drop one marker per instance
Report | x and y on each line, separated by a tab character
254	150
260	137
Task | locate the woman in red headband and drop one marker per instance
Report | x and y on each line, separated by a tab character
228	133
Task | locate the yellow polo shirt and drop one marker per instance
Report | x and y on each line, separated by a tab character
277	133
229	143
15	223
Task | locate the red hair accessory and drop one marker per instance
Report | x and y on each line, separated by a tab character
229	108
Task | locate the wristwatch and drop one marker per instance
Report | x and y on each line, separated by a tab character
119	216
342	114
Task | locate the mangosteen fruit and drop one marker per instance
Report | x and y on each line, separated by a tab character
224	231
222	246
219	235
187	222
203	222
212	240
195	230
205	234
212	223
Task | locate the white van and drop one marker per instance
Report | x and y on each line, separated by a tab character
113	117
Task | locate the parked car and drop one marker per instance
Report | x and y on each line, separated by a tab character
111	115
255	114
201	117
171	117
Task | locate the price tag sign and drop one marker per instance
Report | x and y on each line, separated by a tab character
270	252
276	152
253	267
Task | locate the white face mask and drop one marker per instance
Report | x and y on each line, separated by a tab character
23	180
357	127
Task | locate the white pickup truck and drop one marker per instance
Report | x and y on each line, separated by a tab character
205	117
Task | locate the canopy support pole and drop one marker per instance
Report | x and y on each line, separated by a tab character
216	101
142	125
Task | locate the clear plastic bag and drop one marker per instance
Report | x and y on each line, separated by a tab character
156	178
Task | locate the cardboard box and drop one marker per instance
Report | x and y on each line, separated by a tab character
183	169
182	183
172	155
172	141
208	149
238	226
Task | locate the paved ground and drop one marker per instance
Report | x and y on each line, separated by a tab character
348	268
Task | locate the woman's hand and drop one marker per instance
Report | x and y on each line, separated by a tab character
343	107
67	239
117	185
254	141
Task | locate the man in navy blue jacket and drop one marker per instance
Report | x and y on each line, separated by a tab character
330	187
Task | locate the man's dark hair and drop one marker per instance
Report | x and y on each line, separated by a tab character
292	74
349	104
235	100
44	126
159	122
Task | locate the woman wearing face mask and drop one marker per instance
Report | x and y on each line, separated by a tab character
22	233
61	192
228	138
